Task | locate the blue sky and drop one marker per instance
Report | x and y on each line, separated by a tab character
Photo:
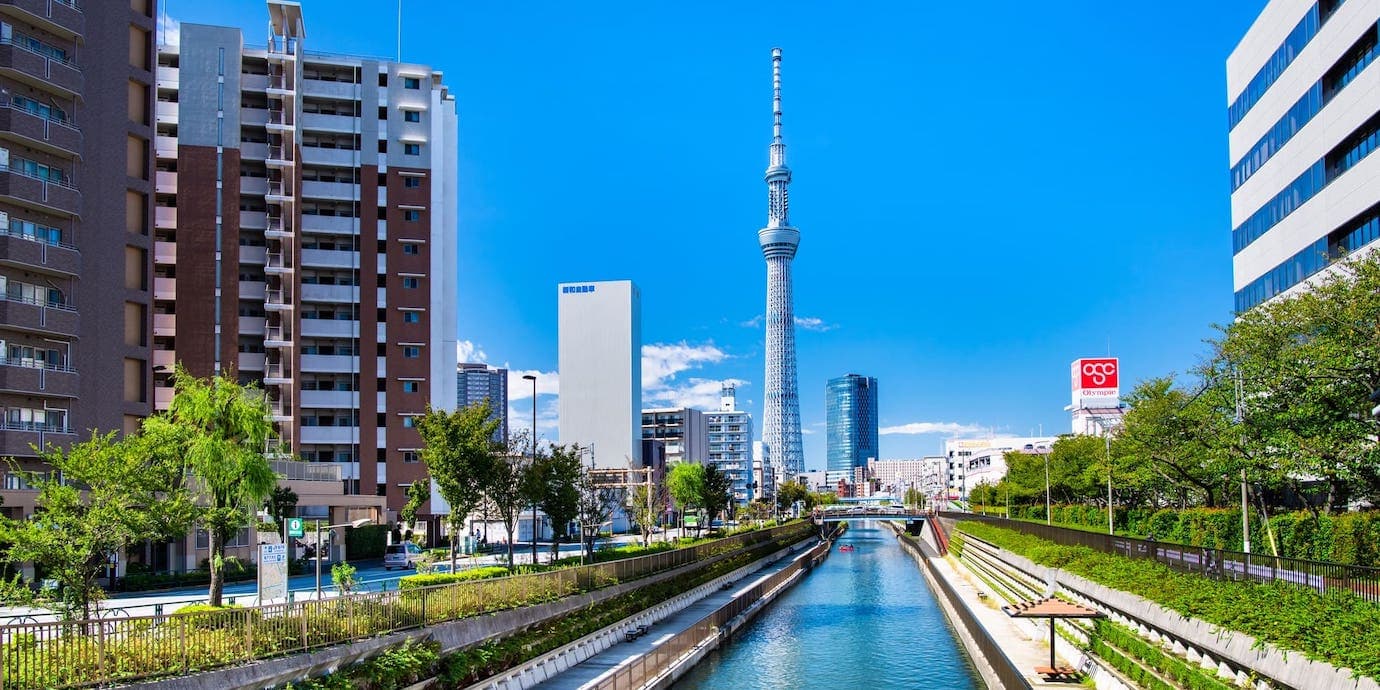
982	196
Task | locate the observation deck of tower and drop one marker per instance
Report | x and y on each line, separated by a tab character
781	416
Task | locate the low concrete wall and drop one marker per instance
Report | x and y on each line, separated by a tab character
452	636
1209	645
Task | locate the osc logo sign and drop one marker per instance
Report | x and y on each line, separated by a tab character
1098	373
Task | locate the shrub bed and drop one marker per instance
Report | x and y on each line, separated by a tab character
1337	628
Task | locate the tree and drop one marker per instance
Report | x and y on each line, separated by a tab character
507	483
459	452
645	505
559	472
222	429
789	493
686	485
718	490
418	493
596	506
101	496
282	501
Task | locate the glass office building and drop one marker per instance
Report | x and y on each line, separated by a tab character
852	421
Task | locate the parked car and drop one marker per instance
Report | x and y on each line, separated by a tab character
403	555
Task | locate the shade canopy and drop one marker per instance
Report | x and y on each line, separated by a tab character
1050	607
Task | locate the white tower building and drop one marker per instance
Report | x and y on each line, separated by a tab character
601	370
781	418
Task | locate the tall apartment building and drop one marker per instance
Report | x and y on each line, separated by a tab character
851	426
305	238
600	360
681	429
475	383
730	444
763	474
1303	117
76	104
926	475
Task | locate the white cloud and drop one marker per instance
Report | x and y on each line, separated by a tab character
169	31
804	323
548	383
466	351
663	362
806	430
696	392
916	428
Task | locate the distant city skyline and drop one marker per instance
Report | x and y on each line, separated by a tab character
964	269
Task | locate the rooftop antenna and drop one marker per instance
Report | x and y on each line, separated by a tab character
399	30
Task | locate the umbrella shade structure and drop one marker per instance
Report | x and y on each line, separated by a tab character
1051	608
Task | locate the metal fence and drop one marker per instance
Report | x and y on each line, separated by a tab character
667	654
1322	576
97	652
1005	669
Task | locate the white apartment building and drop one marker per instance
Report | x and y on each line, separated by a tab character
1303	117
600	360
926	475
681	430
974	461
730	444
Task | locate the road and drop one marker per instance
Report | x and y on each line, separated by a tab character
371	577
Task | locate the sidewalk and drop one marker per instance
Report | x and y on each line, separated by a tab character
589	672
1023	640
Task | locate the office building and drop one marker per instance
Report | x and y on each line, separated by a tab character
476	383
926	475
851	425
681	430
305	238
730	444
76	194
974	461
1303	117
779	241
600	360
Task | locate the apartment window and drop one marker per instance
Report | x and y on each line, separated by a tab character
138	48
135	264
412	116
138	103
412	182
412	317
411	248
135	385
383	213
383	112
412	149
134	324
409	421
383	80
411	282
410	456
136	213
412	83
412	351
412	215
409	386
383	146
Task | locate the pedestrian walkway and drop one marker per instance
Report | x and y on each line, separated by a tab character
588	673
1023	641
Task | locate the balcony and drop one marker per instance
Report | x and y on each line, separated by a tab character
38	318
250	254
328	328
164	325
277	337
254	82
334	400
279	157
276	264
337	191
252	325
165	288
34	130
53	16
162	397
342	124
306	471
165	112
251	361
329	258
335	225
37	380
27	252
330	364
17	439
279	121
165	359
165	217
328	434
166	77
165	146
275	300
39	71
252	290
276	375
253	150
253	219
165	182
165	253
334	90
253	116
252	186
43	195
340	158
339	294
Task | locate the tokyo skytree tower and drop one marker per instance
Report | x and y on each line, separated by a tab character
781	418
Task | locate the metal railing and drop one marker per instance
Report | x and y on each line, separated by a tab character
306	471
1005	669
667	654
1220	564
84	653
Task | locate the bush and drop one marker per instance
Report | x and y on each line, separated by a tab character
432	579
368	541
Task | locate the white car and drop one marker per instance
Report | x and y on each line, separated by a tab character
403	555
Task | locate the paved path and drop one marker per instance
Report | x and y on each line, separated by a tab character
593	669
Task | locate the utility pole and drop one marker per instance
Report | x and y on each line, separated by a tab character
1239	418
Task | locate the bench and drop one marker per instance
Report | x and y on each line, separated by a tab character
633	633
1061	673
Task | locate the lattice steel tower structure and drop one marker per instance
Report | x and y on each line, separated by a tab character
781	418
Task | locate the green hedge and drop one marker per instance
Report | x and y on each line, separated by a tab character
1352	538
1337	627
139	582
432	579
368	541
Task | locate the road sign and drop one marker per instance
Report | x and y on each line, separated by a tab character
272	572
295	528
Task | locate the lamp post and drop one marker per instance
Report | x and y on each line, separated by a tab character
357	523
533	379
1049	516
1103	424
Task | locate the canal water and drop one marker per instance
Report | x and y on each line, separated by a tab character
862	619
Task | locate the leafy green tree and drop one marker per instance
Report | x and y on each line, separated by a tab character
1175	439
685	482
459	451
343	577
559	472
281	503
645	506
102	496
222	429
506	485
718	490
789	492
418	493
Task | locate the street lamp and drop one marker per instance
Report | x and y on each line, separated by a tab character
533	379
357	523
1049	516
1103	423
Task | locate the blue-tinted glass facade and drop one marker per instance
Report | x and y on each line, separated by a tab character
851	404
1353	235
1293	44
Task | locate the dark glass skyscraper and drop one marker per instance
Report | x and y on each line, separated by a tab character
852	407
